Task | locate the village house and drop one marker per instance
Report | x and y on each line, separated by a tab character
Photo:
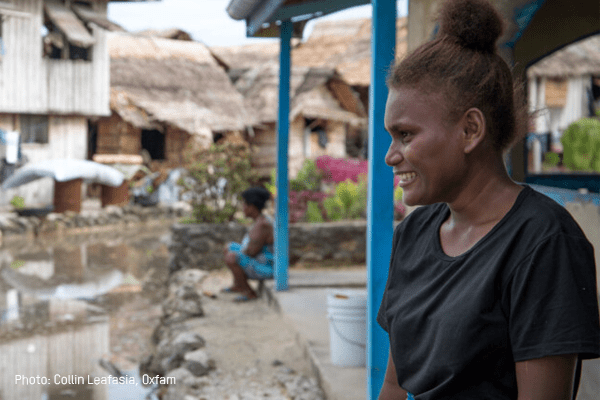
325	114
345	45
165	95
339	49
237	60
564	87
54	75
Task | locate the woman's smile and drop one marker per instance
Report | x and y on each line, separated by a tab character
406	178
425	152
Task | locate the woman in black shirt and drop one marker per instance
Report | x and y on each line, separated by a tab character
491	292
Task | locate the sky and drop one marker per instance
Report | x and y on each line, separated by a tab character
206	20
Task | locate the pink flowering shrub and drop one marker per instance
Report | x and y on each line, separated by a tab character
328	204
298	202
340	169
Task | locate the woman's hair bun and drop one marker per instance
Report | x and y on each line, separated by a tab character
475	24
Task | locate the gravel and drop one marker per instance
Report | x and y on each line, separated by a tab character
255	351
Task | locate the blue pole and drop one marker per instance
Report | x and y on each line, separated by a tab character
283	128
380	207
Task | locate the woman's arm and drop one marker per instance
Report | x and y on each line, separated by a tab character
547	378
390	390
257	239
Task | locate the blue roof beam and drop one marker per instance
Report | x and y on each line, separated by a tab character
273	12
261	16
314	9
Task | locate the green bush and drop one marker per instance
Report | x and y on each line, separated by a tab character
216	177
551	159
17	202
349	200
313	212
581	145
272	186
309	177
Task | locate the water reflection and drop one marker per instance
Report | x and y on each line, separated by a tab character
59	301
33	368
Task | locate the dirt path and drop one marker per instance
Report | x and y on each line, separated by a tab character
255	350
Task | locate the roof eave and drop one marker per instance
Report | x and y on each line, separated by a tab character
264	14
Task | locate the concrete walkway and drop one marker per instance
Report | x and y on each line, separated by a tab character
304	305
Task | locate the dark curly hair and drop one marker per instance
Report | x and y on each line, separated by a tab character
463	62
257	196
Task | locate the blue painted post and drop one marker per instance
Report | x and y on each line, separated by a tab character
283	128
380	207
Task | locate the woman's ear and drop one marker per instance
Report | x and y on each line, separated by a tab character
473	122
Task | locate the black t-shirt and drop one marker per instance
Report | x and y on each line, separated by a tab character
526	290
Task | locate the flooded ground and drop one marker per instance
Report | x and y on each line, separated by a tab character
77	313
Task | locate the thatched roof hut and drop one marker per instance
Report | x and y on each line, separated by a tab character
344	45
158	81
169	33
578	59
326	115
314	92
236	60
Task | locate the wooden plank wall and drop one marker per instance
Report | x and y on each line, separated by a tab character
32	84
264	146
264	150
296	146
68	137
115	136
176	143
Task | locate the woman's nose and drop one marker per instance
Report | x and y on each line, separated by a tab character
394	155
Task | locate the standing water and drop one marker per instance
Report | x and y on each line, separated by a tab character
77	313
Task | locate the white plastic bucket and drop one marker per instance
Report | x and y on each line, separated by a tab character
347	314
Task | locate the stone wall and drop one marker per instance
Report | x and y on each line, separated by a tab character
201	245
13	226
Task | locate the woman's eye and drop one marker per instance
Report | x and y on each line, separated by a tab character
403	135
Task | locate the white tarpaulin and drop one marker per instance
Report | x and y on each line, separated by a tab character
63	170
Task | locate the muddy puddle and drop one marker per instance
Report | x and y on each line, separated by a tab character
77	314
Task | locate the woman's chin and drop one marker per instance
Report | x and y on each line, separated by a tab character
409	200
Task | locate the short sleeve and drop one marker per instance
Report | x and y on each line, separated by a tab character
553	302
381	315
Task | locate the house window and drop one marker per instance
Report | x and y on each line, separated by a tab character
153	141
65	36
34	128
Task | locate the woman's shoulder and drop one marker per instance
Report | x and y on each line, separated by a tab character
545	216
264	222
421	218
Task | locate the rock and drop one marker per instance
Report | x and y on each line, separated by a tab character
170	353
198	362
183	304
312	257
191	276
199	356
192	340
162	331
196	368
180	374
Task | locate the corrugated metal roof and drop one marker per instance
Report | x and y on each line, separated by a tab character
69	24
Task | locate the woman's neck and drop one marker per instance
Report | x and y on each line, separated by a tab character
487	197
